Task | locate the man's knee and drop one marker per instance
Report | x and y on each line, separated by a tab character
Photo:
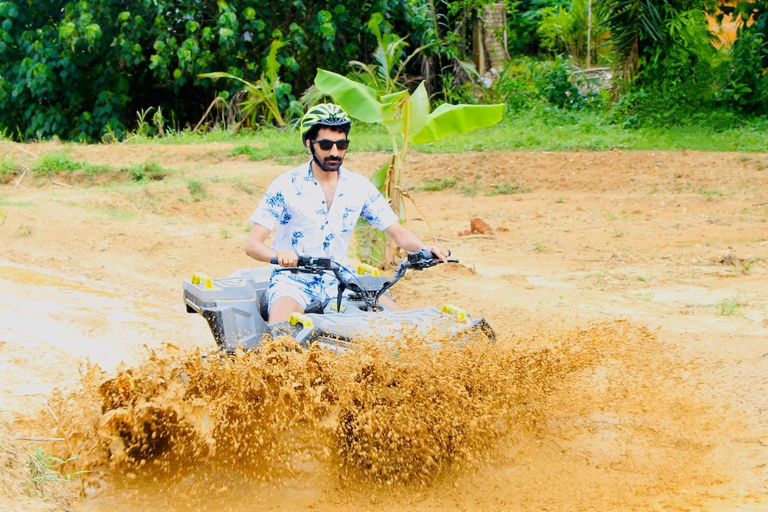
390	304
280	310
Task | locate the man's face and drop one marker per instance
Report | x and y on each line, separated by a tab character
331	158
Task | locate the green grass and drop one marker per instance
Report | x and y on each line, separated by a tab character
4	202
197	190
507	189
646	296
147	170
245	185
747	268
540	129
730	306
709	195
8	165
61	162
45	467
437	185
55	162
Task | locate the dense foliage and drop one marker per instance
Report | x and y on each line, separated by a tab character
747	82
86	70
78	69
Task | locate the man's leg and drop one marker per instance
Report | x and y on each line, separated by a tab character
280	310
389	303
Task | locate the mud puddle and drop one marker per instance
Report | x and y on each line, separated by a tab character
605	417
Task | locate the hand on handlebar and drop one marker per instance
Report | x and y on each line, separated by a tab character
286	259
440	252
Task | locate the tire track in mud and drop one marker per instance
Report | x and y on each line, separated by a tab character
605	416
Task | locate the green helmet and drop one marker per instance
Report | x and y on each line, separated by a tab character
325	114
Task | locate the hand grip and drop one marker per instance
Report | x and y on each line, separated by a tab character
303	261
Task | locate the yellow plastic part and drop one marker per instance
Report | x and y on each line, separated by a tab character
299	318
459	313
332	306
364	268
202	278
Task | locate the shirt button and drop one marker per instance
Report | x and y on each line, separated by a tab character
323	202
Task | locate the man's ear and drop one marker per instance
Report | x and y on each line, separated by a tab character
306	145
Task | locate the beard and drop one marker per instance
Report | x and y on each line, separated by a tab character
331	164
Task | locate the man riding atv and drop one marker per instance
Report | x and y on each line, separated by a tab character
313	210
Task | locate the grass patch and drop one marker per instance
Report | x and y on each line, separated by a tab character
243	185
197	190
45	467
437	185
541	128
146	171
709	195
747	267
61	162
25	204
8	166
507	189
729	307
55	163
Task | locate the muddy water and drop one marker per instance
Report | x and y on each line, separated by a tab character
602	417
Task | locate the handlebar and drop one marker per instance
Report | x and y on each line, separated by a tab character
369	288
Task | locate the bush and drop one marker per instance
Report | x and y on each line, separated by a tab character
80	70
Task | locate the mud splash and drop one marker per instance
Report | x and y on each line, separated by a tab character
388	422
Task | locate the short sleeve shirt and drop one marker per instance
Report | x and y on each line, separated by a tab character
294	206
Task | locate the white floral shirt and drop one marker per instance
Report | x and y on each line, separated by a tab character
295	204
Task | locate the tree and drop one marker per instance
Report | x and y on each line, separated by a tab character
747	83
649	32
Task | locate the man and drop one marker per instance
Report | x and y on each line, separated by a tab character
314	209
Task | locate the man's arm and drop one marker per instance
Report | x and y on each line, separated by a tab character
258	250
406	239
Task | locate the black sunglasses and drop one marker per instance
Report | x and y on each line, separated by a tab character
326	144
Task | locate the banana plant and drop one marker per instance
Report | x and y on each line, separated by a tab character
407	119
261	95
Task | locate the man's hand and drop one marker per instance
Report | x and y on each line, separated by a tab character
440	252
287	258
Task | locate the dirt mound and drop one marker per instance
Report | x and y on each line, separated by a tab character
477	226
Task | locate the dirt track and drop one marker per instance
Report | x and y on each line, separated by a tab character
673	242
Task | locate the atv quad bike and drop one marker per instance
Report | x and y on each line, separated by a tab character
236	307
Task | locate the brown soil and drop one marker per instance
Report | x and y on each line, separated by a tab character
632	284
